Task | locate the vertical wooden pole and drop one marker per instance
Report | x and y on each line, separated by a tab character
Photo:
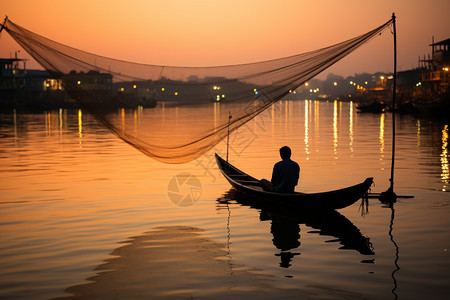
393	102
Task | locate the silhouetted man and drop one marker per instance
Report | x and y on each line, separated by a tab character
285	172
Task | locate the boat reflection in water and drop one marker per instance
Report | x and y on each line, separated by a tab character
285	227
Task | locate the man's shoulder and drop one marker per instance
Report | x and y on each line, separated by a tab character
295	165
286	162
290	161
278	164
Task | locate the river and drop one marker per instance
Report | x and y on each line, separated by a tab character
82	212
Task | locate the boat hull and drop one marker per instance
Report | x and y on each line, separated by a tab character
250	186
435	106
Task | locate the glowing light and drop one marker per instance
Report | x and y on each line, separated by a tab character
365	82
351	82
381	77
381	136
445	69
418	133
335	128
122	89
176	93
335	83
223	95
306	139
445	169
350	126
134	86
162	89
306	84
122	114
79	82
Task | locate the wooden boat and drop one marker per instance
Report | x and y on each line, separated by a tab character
250	186
373	107
440	105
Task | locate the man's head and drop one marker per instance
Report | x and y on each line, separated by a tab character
285	152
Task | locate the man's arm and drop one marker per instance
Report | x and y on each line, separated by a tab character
274	174
298	174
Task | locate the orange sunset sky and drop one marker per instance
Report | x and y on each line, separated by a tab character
213	32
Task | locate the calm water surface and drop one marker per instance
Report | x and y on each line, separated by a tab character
71	193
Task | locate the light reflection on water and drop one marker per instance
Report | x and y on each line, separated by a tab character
71	192
444	159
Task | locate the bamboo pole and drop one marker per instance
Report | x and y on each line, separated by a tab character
389	196
393	103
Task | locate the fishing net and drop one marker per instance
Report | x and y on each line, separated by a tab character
176	114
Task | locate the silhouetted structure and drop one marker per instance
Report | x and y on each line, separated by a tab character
432	92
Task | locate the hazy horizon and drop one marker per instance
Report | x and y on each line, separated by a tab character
207	33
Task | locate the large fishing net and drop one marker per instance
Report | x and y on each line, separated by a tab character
176	114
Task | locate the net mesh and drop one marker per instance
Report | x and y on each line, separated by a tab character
176	114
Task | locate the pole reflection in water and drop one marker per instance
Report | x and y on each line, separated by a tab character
391	236
220	206
285	227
